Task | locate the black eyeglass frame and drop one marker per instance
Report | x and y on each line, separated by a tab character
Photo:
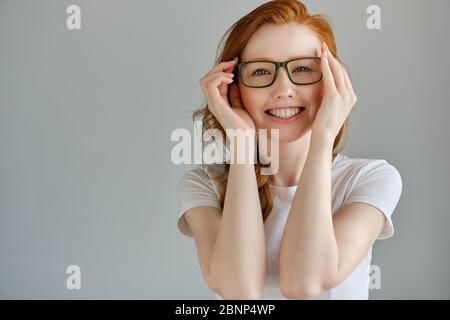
277	64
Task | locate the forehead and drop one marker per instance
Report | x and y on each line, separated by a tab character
281	42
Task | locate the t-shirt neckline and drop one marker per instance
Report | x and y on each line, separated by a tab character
295	186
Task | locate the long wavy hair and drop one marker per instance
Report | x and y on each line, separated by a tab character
232	43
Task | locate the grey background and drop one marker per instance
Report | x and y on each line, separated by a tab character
86	118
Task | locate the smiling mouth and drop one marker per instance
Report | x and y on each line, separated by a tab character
285	113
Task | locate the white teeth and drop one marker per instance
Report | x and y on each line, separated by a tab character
284	113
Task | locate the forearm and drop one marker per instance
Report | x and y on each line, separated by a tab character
308	251
238	262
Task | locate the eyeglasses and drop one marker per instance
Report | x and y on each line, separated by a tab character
260	74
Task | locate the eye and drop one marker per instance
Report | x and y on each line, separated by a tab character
303	69
256	72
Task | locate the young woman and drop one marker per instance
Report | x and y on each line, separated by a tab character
305	232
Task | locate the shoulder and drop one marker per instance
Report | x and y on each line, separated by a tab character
202	177
363	168
373	181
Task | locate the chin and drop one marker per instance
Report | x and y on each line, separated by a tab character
289	135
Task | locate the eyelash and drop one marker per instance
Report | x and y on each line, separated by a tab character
307	69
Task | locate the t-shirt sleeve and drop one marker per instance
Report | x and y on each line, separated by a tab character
195	189
379	184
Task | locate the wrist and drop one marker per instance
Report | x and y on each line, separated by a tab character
242	145
323	138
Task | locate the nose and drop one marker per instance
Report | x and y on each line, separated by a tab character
283	86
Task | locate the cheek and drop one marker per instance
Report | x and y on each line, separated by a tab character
315	95
254	100
251	100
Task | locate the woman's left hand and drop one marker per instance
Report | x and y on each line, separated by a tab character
338	98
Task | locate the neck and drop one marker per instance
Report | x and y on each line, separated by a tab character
292	158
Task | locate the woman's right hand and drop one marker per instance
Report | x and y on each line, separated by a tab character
215	88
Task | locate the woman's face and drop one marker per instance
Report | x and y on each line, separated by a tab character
282	43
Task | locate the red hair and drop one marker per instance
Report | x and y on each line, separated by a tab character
276	12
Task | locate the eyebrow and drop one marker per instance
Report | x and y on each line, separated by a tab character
290	58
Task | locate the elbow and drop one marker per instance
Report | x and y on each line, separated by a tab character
242	292
306	286
231	288
303	292
241	295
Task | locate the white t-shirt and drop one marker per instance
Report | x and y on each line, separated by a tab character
373	181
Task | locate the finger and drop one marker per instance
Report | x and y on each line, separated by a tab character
235	96
348	83
344	75
223	66
224	86
208	78
326	71
337	72
232	66
219	84
213	85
